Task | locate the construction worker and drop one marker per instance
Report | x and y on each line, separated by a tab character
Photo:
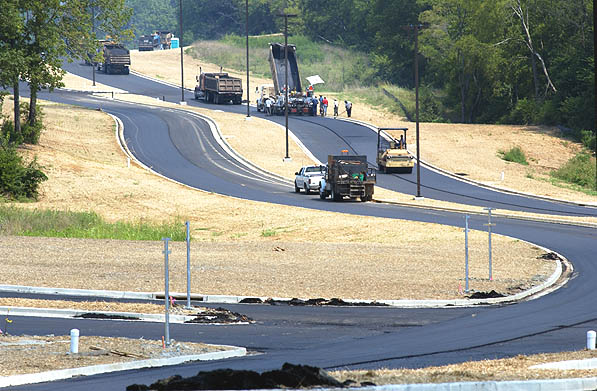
335	107
348	105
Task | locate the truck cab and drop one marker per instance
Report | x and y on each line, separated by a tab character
264	91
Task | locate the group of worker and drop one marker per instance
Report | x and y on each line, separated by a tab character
323	106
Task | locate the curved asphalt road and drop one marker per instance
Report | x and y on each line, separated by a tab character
343	337
324	136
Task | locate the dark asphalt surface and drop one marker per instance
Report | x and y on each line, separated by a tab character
333	337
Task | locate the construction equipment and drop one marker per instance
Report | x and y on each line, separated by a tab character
392	155
348	176
117	59
165	39
218	87
297	102
149	42
264	91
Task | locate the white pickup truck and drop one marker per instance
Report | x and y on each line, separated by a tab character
308	178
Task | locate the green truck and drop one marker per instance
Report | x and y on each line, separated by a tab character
348	176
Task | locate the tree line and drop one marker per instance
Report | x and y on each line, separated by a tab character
503	61
36	36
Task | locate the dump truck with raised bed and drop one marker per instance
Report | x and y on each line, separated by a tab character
117	59
348	176
218	87
392	155
149	42
297	102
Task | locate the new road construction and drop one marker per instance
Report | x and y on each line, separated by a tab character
347	337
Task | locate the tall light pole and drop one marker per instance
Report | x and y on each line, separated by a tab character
286	16
247	30
181	54
416	28
94	37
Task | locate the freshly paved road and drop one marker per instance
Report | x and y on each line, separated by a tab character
341	337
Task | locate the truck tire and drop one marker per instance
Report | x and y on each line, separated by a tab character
322	194
307	190
335	196
296	188
216	98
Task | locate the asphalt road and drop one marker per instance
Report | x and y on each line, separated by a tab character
340	337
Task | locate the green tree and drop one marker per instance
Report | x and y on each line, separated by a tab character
48	22
12	55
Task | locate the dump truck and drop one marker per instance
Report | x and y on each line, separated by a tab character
392	155
149	42
117	59
347	176
218	87
165	39
297	101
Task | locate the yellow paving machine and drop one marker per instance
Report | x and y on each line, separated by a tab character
392	155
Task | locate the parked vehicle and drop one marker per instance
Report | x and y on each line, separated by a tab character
308	178
348	176
264	91
117	59
165	39
219	87
392	155
149	42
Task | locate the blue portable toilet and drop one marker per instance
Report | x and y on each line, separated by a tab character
174	43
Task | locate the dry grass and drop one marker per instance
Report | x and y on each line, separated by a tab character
33	354
516	368
279	268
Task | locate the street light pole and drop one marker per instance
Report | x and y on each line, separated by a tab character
247	29
286	16
416	28
181	54
94	37
286	79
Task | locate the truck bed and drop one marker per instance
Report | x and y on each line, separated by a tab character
278	68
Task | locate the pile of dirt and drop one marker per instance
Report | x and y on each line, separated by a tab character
294	376
218	316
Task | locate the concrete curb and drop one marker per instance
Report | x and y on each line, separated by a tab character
61	374
577	384
66	313
589	363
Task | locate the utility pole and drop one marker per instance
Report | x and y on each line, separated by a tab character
416	28
181	55
93	29
247	30
286	16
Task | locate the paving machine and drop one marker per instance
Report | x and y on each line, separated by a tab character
392	155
